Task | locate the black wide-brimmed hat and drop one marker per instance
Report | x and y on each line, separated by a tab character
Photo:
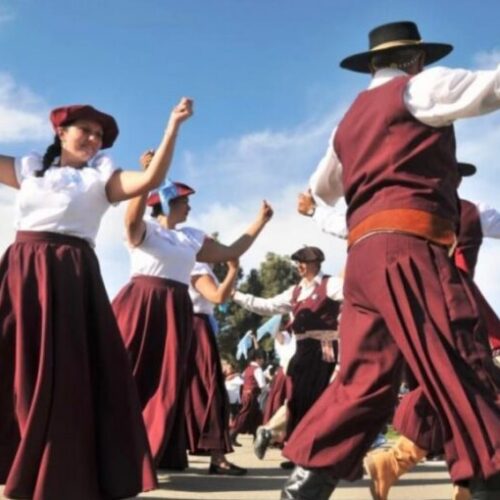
466	169
391	38
308	254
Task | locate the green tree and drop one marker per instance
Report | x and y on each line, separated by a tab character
277	273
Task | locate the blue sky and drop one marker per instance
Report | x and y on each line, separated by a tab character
267	88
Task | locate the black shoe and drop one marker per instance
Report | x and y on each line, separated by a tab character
308	484
261	442
287	465
485	489
232	470
172	468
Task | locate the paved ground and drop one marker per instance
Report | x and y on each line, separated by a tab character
265	478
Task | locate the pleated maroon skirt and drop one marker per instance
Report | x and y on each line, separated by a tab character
207	404
70	419
250	415
155	316
277	395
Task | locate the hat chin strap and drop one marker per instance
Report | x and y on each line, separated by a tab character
395	43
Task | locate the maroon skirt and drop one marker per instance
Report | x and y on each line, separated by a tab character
155	316
207	404
70	420
250	415
277	395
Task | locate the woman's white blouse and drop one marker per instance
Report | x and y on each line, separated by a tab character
65	200
200	304
166	253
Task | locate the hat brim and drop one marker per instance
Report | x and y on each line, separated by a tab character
361	62
69	114
466	169
182	190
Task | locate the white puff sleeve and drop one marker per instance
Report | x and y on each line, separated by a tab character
201	268
26	166
104	165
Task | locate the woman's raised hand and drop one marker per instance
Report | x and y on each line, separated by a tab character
233	264
181	112
265	212
146	158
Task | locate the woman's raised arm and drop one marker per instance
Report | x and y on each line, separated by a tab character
125	184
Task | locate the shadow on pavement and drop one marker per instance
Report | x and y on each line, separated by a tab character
220	483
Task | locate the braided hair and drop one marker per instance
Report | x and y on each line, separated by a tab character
52	152
156	210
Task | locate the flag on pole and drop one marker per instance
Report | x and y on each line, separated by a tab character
244	345
271	326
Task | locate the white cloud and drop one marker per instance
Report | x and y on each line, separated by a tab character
488	273
477	143
262	162
286	232
487	60
7	197
23	114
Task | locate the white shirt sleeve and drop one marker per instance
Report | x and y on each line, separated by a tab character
438	96
201	268
334	288
26	166
326	181
195	236
279	304
104	165
259	377
330	221
490	220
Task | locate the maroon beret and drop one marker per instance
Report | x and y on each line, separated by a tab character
67	114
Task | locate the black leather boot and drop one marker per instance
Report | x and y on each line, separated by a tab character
308	484
485	489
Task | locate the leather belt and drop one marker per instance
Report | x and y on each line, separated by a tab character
409	221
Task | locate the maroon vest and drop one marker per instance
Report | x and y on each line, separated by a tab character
391	160
316	312
249	383
470	237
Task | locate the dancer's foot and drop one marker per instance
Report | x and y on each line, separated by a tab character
261	442
226	469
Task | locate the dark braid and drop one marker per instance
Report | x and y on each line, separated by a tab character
156	210
53	151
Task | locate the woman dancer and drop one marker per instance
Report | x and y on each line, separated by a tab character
207	403
154	310
70	422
